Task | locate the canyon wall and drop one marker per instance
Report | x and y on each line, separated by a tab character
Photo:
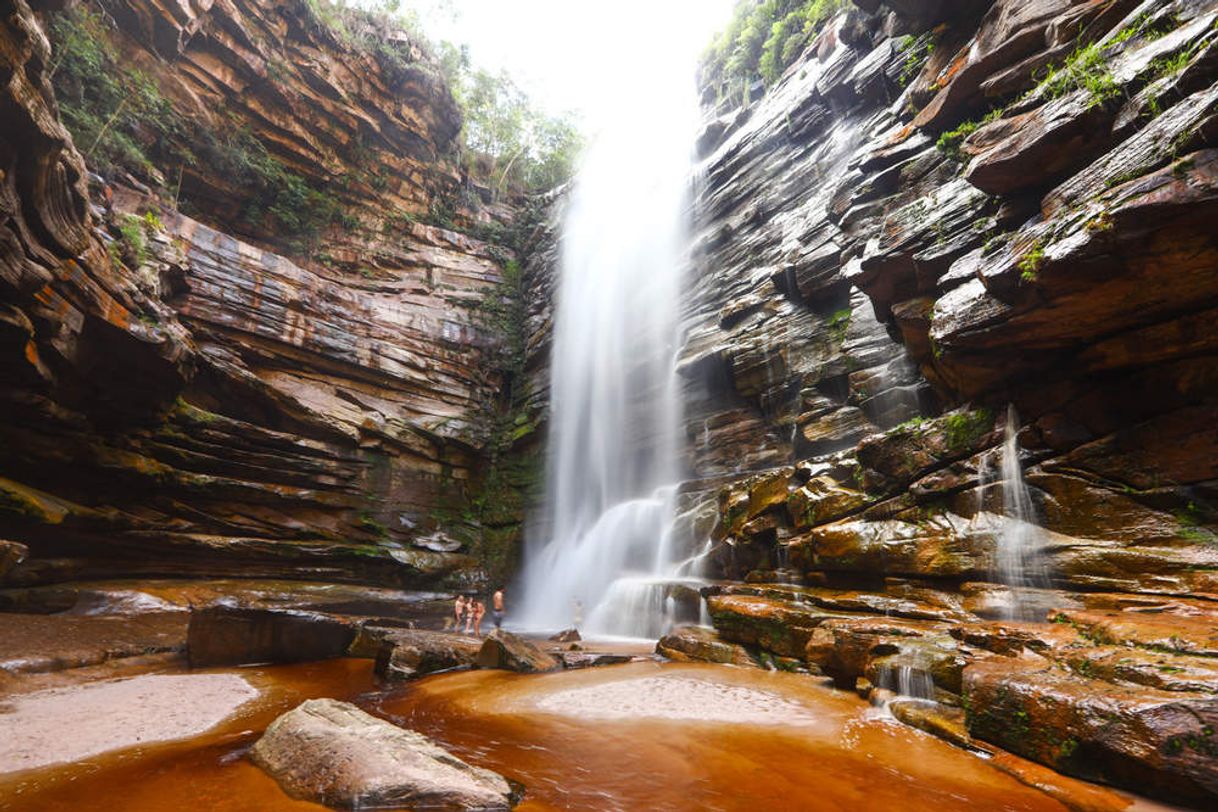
863	292
215	393
945	224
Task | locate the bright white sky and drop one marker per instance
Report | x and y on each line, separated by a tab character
581	55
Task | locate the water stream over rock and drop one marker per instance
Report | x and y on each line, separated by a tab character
1019	558
605	540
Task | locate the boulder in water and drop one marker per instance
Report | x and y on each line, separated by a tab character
333	753
699	644
567	636
505	650
409	653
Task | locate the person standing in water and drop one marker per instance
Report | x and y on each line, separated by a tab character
497	607
458	614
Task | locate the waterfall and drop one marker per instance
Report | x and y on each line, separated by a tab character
1019	559
606	539
907	680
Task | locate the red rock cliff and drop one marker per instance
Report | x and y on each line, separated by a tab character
233	400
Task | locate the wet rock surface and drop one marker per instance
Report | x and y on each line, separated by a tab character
505	650
334	753
230	635
40	643
406	654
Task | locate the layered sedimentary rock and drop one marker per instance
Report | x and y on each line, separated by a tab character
227	400
896	243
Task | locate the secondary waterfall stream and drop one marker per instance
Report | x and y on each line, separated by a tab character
612	465
1020	560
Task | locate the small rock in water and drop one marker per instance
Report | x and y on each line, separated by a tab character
333	753
567	636
505	650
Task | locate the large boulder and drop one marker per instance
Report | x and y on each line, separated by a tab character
699	644
1160	743
505	650
409	653
236	635
333	753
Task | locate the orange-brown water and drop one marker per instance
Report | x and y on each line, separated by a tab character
636	737
639	737
201	774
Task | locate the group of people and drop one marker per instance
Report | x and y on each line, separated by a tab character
468	613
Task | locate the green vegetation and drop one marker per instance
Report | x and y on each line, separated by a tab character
839	324
914	424
116	113
761	41
949	143
122	123
962	431
917	51
1171	65
525	149
1031	262
510	143
1191	520
1085	69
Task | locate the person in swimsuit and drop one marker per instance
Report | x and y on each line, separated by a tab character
497	607
479	611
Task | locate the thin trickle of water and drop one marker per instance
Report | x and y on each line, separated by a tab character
1020	561
613	446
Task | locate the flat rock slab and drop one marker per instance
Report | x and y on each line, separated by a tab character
505	650
688	644
333	753
240	635
409	653
68	724
40	643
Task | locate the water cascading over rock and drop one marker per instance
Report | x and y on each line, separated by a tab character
605	541
1019	558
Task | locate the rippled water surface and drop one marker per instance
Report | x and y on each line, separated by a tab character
643	736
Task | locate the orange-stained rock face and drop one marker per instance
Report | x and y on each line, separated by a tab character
244	402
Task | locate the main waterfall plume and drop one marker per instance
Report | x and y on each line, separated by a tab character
613	439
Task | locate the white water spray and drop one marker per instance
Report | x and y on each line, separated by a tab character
1020	561
607	536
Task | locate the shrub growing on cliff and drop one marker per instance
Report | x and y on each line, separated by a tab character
1085	69
121	122
116	114
762	40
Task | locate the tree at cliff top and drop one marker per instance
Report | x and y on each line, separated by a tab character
510	142
123	123
763	38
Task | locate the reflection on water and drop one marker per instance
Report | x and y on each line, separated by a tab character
643	736
690	737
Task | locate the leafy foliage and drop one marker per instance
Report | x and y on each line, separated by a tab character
525	149
917	51
122	122
1031	262
1085	69
949	142
762	40
115	113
